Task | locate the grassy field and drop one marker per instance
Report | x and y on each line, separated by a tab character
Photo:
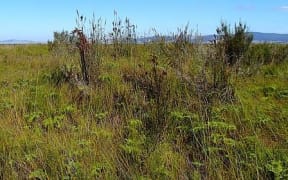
149	114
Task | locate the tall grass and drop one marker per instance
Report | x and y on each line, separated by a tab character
160	110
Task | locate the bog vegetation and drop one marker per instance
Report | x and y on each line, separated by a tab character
91	105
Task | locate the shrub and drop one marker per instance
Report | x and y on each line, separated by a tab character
234	43
229	49
87	44
62	74
62	43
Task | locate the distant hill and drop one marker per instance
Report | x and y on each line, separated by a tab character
15	41
270	37
258	37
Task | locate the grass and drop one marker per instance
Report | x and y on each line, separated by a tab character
141	120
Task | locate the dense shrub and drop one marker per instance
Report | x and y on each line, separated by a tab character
234	43
62	43
266	53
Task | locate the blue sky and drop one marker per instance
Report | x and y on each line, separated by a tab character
38	19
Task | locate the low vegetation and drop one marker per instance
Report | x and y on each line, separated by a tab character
86	106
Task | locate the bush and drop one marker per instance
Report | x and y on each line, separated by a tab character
235	43
266	53
62	43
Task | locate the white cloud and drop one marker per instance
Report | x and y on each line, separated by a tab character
284	8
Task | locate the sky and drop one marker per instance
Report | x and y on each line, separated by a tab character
37	19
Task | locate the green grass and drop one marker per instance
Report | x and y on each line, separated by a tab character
115	130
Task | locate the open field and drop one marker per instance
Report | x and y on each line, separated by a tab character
152	111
